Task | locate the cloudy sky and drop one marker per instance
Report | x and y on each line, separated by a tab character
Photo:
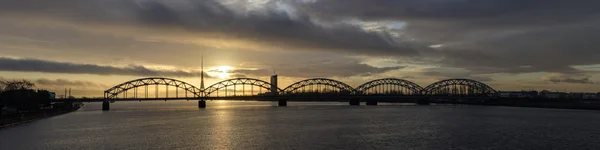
92	45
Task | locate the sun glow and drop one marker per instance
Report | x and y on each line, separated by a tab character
222	71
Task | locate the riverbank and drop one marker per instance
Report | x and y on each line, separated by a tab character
6	122
581	106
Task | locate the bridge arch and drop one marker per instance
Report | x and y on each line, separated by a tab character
389	86
458	87
319	86
263	86
123	88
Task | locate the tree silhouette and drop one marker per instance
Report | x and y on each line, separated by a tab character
16	85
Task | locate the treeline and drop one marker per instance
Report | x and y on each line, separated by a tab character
19	95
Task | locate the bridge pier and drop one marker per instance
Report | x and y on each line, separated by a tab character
282	102
105	105
424	101
354	102
201	104
371	102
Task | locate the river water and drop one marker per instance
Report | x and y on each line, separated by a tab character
306	125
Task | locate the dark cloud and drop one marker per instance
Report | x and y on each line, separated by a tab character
505	12
65	82
272	28
320	69
35	65
536	39
444	74
489	36
480	36
563	78
543	50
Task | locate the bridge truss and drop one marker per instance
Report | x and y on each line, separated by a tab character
458	87
239	87
124	90
318	86
388	86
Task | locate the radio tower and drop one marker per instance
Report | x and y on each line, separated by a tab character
202	75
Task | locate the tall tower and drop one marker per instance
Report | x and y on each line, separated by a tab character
202	75
274	89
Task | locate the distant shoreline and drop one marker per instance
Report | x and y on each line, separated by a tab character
579	104
575	106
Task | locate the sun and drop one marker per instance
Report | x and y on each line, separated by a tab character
224	68
223	71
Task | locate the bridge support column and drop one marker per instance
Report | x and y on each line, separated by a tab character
354	102
201	104
424	101
105	105
282	102
371	102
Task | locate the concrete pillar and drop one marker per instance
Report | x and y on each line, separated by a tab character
371	102
105	105
201	104
282	102
354	102
424	101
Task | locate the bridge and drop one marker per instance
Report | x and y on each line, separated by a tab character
315	89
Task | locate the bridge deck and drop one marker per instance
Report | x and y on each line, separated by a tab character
288	98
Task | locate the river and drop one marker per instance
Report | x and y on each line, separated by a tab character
306	125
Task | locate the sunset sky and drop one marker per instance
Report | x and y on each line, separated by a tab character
92	45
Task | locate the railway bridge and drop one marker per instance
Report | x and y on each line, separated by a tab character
315	89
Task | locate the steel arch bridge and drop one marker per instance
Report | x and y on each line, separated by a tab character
249	87
123	88
318	86
388	86
458	87
224	86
